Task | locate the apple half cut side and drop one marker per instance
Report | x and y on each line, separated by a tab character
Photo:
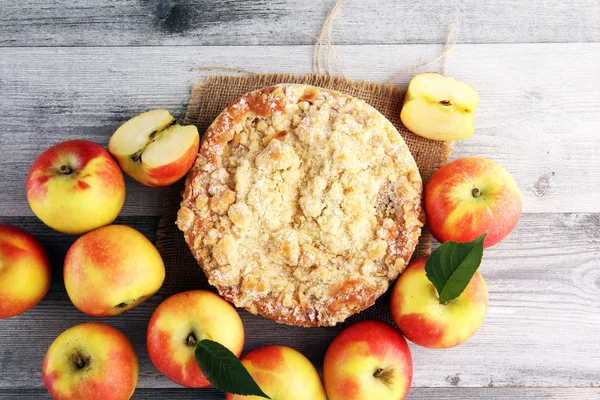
153	149
439	108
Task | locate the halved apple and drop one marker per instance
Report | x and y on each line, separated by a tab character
153	150
438	107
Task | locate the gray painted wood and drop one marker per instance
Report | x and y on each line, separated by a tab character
413	394
266	22
538	113
541	328
538	116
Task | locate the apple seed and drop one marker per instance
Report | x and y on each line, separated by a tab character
137	156
152	136
445	103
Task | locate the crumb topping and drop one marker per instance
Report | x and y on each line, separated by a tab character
303	204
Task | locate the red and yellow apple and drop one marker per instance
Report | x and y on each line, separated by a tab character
75	187
439	107
417	311
91	361
282	374
368	360
111	270
25	271
469	197
180	322
153	150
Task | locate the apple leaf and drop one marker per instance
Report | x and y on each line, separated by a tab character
451	266
224	370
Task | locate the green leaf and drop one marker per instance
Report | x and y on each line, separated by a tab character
451	266
224	370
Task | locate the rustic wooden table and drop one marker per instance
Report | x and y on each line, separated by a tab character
78	69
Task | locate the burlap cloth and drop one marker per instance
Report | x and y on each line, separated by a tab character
211	97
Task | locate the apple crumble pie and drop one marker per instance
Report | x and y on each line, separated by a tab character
303	204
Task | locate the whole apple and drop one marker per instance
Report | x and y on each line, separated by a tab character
369	360
25	271
469	197
154	150
180	322
421	318
75	187
111	270
91	361
282	373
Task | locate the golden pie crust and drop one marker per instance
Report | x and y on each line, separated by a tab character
303	204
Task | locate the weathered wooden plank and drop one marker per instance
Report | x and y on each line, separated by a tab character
538	116
541	328
413	394
267	22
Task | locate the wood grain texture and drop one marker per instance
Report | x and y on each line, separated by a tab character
281	22
538	116
541	328
413	394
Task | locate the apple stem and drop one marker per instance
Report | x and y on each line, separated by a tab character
78	361
476	192
191	340
65	169
385	376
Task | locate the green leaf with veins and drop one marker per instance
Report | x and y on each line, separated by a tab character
224	370
451	266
